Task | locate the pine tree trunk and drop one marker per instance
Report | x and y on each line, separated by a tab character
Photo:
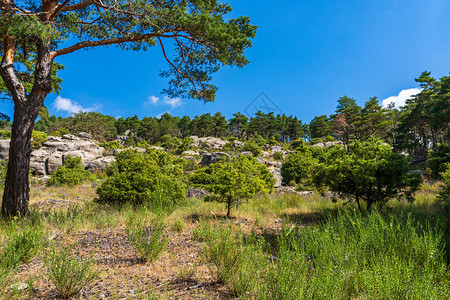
16	194
26	109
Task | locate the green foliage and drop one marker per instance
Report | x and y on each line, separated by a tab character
184	146
252	147
438	159
5	134
355	257
278	156
147	241
234	261
20	246
111	145
235	180
368	171
38	138
68	273
444	194
3	169
298	167
71	172
153	178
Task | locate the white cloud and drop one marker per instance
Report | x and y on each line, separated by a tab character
172	102
401	98
70	106
153	99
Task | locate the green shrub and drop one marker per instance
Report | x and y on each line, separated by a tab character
184	146
235	180
153	178
253	148
298	167
37	139
278	156
259	140
68	273
71	173
368	171
438	159
187	272
444	194
111	145
147	241
5	134
3	169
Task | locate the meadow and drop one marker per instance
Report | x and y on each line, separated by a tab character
273	247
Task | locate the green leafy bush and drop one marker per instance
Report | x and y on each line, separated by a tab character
298	167
369	171
184	146
444	194
154	178
5	134
37	139
71	173
252	147
438	159
235	180
147	240
111	145
68	273
278	156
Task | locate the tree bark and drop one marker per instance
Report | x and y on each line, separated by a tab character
26	109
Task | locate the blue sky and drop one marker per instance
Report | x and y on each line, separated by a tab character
305	56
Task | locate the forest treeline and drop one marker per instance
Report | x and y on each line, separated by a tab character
415	128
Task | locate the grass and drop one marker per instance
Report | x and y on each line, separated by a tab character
68	273
274	247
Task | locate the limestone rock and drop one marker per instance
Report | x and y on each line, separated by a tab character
196	193
277	175
70	137
101	163
213	158
4	149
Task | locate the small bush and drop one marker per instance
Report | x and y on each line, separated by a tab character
178	225
71	173
298	167
444	194
253	148
5	134
187	272
153	178
69	274
111	145
37	139
438	159
278	156
147	241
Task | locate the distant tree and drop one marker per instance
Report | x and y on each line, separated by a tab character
34	33
220	125
372	121
370	171
239	124
320	127
348	111
235	180
101	127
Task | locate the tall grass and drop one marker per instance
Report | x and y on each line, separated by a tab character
350	256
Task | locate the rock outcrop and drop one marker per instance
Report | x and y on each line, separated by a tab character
50	157
210	143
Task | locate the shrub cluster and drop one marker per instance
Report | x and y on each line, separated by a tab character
71	173
154	178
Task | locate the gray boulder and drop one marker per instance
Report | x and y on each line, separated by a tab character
54	161
101	163
276	148
196	193
277	175
247	153
4	149
70	137
189	153
213	158
84	135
